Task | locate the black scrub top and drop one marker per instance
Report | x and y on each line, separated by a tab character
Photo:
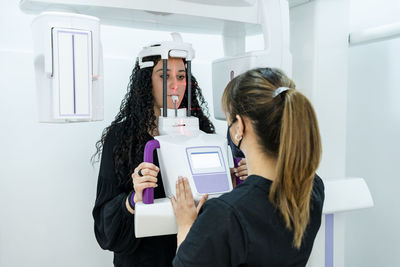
242	228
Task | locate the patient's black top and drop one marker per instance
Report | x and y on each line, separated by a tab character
242	228
115	226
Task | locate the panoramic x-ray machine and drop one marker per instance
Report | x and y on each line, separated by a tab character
68	65
183	150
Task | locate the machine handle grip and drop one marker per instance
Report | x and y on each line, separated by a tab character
236	164
148	193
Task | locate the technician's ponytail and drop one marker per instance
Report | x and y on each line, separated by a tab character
298	158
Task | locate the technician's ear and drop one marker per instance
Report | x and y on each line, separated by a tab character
239	127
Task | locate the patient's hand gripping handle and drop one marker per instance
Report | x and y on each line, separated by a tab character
148	193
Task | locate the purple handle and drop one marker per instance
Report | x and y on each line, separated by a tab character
236	164
148	193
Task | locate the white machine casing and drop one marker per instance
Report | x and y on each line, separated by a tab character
174	48
178	154
68	66
181	144
274	18
179	125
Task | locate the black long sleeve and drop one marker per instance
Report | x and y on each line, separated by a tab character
114	225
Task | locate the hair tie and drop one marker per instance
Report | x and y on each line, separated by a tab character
280	90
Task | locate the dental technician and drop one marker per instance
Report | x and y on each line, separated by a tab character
123	175
273	217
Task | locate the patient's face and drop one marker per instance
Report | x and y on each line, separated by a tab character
176	82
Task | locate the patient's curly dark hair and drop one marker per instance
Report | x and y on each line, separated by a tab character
136	120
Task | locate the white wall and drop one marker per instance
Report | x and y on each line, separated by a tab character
373	152
319	49
372	13
373	131
356	94
47	184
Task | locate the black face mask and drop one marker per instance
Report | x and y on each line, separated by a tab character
237	153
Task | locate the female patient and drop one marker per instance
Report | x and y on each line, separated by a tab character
122	172
273	217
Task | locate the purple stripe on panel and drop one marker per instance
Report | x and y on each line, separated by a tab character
329	240
73	71
90	72
58	70
73	33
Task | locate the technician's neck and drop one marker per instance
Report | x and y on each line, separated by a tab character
261	165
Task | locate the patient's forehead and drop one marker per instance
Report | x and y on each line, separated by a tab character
173	64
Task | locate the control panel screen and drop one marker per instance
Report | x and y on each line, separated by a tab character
205	160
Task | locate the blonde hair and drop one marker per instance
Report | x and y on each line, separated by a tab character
287	129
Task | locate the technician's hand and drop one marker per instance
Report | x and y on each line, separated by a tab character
144	176
184	207
241	171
